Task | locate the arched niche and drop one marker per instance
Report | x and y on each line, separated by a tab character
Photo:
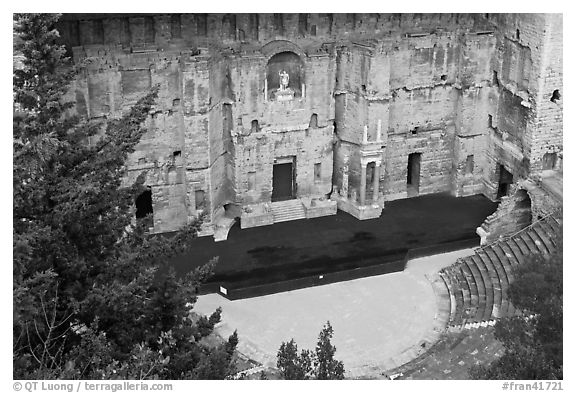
284	63
522	208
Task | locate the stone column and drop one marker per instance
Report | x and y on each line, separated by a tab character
365	135
363	185
376	182
379	131
265	89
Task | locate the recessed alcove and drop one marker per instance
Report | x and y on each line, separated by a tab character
284	76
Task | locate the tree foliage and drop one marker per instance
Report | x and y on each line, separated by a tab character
93	296
533	341
310	365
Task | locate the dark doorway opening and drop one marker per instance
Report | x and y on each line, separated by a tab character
506	178
144	204
370	169
283	181
549	161
523	209
413	177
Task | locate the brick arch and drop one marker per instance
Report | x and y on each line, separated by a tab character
274	47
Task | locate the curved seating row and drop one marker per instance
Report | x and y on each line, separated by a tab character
476	286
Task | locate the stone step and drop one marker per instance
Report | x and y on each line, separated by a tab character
557	222
462	295
505	276
288	218
488	285
450	294
474	297
521	245
502	277
529	242
481	288
289	213
495	280
504	258
548	228
544	237
537	241
510	247
288	210
456	290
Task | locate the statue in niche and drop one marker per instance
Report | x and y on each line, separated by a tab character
284	80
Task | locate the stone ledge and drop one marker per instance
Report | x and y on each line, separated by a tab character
366	212
256	216
319	208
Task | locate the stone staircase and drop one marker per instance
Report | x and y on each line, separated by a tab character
473	291
289	210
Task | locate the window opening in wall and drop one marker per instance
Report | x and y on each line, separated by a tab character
443	77
364	88
555	96
317	172
504	181
176	102
177	157
549	161
144	204
522	209
313	121
415	130
254	126
302	24
413	175
313	30
517	34
490	124
495	79
200	199
469	164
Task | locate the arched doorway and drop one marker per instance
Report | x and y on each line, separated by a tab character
522	209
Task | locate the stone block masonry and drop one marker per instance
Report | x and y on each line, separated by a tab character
375	107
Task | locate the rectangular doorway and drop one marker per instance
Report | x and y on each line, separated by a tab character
413	177
283	180
504	181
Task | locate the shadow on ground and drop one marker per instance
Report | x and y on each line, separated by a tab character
296	249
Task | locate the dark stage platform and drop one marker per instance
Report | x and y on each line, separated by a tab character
297	254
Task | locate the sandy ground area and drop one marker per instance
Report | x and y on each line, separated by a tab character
374	319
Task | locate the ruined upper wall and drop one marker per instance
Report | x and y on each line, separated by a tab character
184	30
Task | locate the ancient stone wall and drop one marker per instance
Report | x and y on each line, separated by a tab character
470	93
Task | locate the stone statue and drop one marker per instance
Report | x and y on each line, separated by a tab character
284	80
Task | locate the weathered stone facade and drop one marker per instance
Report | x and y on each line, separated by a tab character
377	106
